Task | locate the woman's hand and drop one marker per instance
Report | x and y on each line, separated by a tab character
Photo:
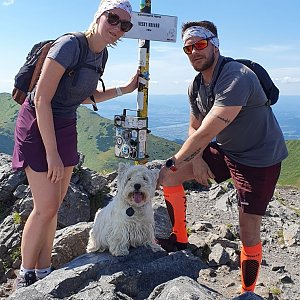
132	84
202	172
55	167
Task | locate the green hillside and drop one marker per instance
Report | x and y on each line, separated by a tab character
8	112
290	173
96	142
95	137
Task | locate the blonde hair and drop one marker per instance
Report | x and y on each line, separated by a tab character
91	30
93	26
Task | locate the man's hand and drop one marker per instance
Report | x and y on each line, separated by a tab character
202	172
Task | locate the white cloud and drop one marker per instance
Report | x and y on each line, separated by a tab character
288	79
293	72
8	2
165	49
273	48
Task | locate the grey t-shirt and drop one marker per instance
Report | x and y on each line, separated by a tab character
254	138
65	50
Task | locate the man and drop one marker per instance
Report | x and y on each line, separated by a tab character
248	144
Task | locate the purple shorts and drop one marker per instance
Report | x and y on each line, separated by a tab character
29	148
255	185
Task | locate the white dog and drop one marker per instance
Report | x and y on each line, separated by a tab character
128	220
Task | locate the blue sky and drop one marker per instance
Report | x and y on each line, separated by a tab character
265	31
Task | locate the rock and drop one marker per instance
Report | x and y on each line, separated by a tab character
210	266
218	256
291	234
182	288
248	296
70	243
134	276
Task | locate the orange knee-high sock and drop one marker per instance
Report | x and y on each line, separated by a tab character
176	204
250	262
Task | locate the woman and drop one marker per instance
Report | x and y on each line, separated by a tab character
45	134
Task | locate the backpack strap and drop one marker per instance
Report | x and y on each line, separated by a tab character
83	50
195	86
198	79
83	47
223	63
104	60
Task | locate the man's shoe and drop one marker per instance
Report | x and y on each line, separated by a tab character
171	245
181	246
28	279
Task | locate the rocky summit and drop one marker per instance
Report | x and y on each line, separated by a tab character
208	269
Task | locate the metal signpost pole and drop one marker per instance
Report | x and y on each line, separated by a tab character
144	54
131	131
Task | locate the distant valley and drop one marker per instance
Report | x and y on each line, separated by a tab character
96	133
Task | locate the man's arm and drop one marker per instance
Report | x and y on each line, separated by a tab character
195	123
217	119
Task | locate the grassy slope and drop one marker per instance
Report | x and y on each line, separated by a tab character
8	112
290	173
95	132
95	140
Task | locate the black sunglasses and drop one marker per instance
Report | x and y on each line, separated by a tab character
114	19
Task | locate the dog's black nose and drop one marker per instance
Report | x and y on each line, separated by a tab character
137	186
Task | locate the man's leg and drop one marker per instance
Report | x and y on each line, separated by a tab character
175	195
255	188
251	251
176	205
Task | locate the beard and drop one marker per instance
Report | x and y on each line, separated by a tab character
207	63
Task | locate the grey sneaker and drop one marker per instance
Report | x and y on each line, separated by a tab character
27	280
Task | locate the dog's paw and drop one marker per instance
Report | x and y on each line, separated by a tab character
119	252
91	249
155	247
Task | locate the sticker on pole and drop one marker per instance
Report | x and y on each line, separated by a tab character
153	27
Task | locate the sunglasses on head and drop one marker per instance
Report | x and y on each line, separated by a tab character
114	19
200	45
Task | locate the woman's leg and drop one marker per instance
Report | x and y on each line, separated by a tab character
44	259
40	227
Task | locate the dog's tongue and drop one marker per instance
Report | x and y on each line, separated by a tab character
138	197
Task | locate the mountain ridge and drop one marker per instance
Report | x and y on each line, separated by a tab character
96	142
95	137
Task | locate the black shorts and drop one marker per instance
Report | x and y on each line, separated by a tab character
255	185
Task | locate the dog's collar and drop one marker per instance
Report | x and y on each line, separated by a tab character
129	211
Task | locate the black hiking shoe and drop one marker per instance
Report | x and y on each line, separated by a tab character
28	279
171	245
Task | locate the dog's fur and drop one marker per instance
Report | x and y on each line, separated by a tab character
113	228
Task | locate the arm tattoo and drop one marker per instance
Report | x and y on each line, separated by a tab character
189	158
226	121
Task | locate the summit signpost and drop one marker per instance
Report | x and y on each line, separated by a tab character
131	131
153	27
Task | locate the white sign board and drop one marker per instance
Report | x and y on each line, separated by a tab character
153	27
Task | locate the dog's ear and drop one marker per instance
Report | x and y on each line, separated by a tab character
122	167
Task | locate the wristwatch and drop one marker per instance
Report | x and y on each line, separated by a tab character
170	164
